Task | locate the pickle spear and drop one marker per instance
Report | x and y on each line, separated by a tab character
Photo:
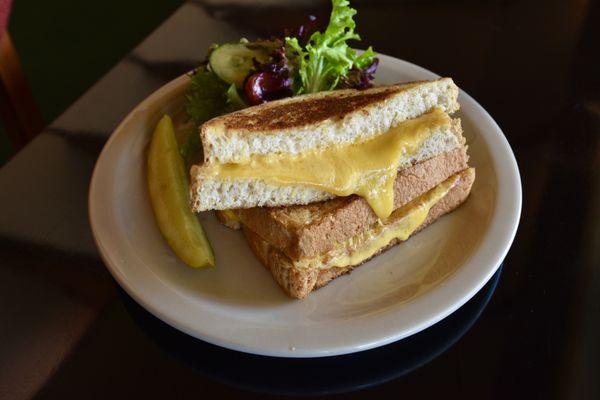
168	187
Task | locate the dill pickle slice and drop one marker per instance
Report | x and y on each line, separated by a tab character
169	195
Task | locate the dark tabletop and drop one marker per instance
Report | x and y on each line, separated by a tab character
68	331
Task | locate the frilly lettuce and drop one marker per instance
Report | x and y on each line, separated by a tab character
327	58
207	97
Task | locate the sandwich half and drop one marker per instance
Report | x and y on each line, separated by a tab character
306	246
315	147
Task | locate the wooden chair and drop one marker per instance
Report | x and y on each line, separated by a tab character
20	116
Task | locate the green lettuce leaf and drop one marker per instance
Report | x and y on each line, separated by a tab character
206	97
327	56
234	100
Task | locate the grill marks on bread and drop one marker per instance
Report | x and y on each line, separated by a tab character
290	115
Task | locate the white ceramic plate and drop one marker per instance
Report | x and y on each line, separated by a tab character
239	306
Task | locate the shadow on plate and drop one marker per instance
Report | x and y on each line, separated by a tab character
314	376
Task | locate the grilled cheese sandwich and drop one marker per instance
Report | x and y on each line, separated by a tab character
322	183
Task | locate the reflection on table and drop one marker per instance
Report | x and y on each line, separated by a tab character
314	376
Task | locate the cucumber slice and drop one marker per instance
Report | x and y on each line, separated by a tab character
168	188
233	61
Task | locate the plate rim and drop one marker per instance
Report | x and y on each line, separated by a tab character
512	203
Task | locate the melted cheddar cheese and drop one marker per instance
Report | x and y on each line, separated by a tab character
401	225
367	169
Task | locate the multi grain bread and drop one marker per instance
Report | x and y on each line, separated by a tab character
215	193
308	230
302	123
299	282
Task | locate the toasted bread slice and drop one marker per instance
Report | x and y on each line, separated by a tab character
299	282
298	124
309	230
216	193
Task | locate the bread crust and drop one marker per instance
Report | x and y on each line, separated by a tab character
308	230
299	283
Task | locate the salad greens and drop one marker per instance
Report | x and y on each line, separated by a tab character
307	61
327	57
209	97
206	96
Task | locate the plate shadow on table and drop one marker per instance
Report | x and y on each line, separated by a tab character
314	376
